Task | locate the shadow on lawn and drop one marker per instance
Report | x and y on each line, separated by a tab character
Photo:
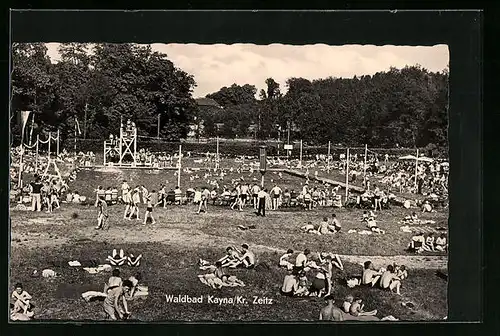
172	271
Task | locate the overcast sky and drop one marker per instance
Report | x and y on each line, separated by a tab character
218	65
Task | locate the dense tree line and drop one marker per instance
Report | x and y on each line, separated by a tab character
406	107
98	88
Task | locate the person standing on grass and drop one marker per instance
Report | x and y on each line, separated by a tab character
35	191
205	194
125	192
276	193
377	198
135	204
262	203
331	312
149	211
102	216
255	195
114	297
244	194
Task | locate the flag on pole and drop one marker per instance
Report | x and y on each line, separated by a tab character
78	127
24	118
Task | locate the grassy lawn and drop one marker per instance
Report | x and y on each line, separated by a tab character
172	247
168	269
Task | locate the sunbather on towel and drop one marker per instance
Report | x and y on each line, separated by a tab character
309	228
134	261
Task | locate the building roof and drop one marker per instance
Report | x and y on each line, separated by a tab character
207	102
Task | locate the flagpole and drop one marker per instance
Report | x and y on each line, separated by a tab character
57	143
364	167
328	157
300	161
347	176
180	164
36	156
85	123
50	135
75	136
20	182
32	125
416	171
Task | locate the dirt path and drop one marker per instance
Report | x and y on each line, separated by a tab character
196	239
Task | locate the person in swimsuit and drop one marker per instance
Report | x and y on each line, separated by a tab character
115	296
389	280
331	312
370	275
149	211
290	284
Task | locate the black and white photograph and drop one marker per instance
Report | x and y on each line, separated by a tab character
228	182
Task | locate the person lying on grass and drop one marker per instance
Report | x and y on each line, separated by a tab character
309	228
413	219
370	275
117	259
372	225
134	261
116	297
22	301
389	280
441	243
356	309
218	278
